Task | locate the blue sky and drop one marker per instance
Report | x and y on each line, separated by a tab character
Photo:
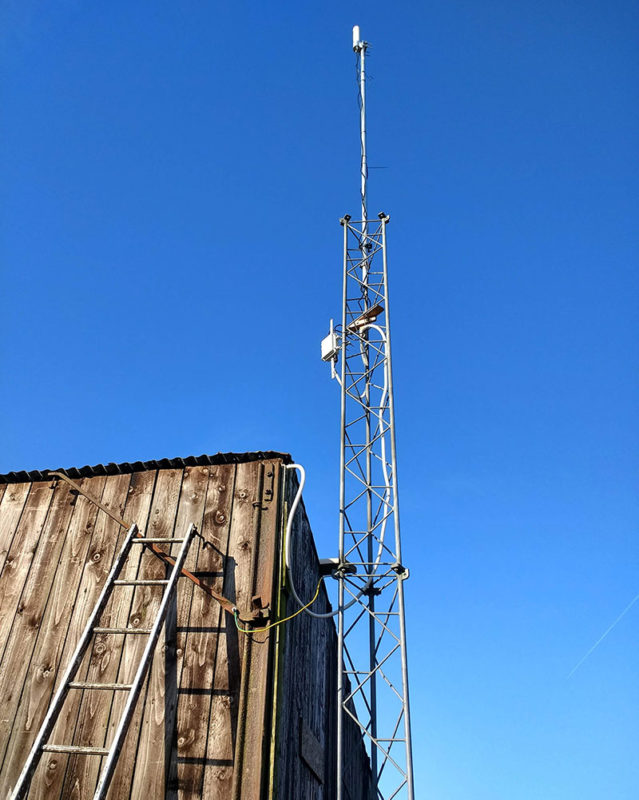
172	178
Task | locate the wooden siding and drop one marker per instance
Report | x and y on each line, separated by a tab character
222	715
305	734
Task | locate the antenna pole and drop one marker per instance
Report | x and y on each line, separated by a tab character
360	47
372	675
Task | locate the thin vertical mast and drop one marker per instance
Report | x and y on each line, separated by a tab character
372	676
360	47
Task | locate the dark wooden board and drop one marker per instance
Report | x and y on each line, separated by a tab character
82	771
46	658
158	719
48	779
219	766
144	607
201	645
20	556
252	746
11	506
30	611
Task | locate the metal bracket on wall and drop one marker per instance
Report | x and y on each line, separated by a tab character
269	484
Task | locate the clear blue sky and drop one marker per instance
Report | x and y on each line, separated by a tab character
172	178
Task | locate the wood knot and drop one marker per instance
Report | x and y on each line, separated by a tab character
222	773
221	488
96	557
220	517
242	494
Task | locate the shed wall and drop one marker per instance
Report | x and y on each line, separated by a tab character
223	715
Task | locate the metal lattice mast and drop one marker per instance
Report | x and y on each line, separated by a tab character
372	668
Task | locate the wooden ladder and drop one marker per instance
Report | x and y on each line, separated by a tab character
67	683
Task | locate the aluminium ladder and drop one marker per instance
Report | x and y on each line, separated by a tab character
113	751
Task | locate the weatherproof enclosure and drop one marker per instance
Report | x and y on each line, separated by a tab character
223	714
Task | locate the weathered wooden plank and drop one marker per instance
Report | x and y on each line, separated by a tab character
3	488
146	600
45	662
11	507
220	755
30	611
296	661
48	778
197	679
20	556
82	773
157	729
252	744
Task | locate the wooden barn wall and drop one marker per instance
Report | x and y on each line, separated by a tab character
304	755
208	685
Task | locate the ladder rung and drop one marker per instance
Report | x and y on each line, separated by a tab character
140	583
155	540
122	630
72	748
87	685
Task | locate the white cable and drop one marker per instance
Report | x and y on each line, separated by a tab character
287	552
380	417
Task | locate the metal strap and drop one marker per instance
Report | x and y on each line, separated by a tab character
114	687
227	605
72	748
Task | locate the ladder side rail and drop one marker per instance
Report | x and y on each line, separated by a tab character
136	686
35	754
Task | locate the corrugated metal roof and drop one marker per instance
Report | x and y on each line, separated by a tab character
26	476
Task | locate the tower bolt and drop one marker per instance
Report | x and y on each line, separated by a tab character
401	571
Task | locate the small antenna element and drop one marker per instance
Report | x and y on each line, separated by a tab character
356	38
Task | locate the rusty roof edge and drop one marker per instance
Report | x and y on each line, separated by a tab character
26	476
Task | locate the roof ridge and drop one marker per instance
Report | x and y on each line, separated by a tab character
126	467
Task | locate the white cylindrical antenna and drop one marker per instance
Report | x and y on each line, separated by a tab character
360	47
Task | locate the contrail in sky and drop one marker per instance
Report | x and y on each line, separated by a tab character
603	636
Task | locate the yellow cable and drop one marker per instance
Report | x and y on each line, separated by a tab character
280	621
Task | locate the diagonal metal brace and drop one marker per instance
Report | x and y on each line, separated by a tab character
157	551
